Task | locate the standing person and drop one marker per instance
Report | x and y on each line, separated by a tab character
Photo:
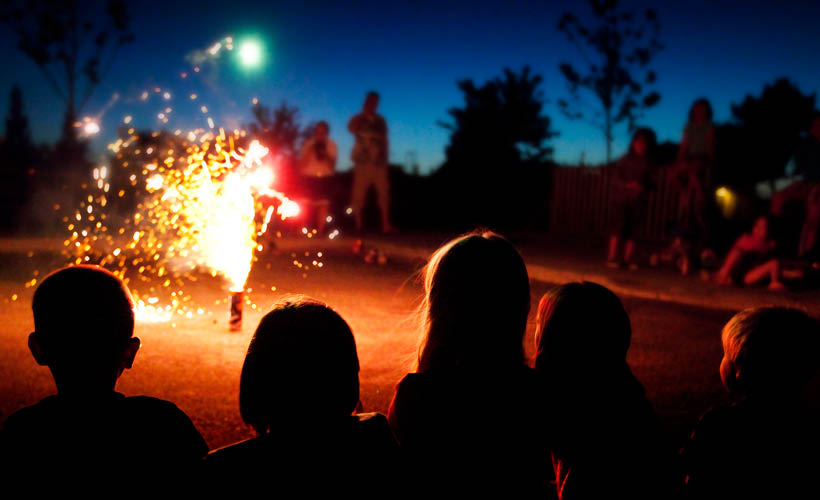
317	163
467	419
630	183
370	153
692	175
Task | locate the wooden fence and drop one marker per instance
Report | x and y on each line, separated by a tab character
580	203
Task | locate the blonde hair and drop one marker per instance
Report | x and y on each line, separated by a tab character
477	298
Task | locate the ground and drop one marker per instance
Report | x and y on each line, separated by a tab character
196	362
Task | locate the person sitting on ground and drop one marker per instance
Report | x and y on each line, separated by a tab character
606	440
466	418
299	390
750	260
83	332
631	177
763	445
318	166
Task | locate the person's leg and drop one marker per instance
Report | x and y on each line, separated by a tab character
770	269
361	182
612	253
629	252
381	182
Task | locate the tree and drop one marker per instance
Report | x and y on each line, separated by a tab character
281	131
71	44
18	148
769	129
498	144
617	49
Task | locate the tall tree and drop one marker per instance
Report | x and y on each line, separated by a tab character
499	144
18	143
72	42
617	47
280	130
770	128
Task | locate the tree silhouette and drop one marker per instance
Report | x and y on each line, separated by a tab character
770	128
497	140
280	130
617	49
17	157
71	43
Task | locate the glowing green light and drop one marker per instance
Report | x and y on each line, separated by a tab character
250	53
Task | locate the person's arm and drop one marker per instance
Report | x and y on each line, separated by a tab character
355	123
731	262
332	153
684	147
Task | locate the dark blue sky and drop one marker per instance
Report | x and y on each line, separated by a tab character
324	56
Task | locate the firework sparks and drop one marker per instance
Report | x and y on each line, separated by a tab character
197	211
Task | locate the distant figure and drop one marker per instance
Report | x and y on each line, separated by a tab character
692	175
370	155
804	167
299	390
467	419
317	168
87	433
631	179
751	259
606	440
764	445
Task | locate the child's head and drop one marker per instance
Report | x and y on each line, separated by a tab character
769	351
322	130
477	297
760	230
701	111
581	327
301	364
83	328
643	142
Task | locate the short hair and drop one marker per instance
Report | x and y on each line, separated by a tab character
83	312
372	94
701	101
324	124
477	298
301	361
773	349
581	324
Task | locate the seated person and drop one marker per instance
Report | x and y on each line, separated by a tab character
317	168
83	332
467	419
605	438
764	445
299	390
750	260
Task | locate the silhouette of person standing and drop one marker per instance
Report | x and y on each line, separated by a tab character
369	158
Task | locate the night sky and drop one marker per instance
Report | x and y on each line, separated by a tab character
324	56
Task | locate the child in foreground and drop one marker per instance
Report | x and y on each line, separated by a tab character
605	439
765	444
299	390
89	433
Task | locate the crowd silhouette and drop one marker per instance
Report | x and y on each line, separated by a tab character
475	418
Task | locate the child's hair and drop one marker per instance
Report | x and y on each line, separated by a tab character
301	362
477	297
771	350
701	101
581	326
83	317
649	136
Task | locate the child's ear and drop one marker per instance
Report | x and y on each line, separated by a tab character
731	376
130	353
36	349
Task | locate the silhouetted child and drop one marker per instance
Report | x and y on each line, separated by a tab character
765	444
83	332
631	177
299	390
750	260
606	440
466	418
